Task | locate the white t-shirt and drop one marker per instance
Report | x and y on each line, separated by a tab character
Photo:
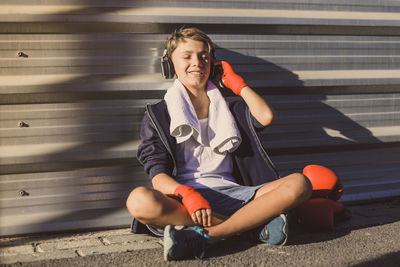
199	166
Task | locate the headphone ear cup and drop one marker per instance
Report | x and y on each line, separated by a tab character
167	68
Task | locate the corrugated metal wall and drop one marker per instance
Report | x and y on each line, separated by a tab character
75	75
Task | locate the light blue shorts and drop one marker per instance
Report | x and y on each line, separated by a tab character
225	200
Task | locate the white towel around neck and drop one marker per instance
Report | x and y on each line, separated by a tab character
223	133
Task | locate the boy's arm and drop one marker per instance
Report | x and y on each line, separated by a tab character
164	183
260	110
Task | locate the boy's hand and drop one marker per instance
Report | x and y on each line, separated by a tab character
198	207
231	79
202	217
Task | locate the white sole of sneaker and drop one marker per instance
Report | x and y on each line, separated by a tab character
285	229
167	241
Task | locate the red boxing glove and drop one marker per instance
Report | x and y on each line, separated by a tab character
325	182
191	199
320	213
231	79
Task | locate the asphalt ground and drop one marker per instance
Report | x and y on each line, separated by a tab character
370	238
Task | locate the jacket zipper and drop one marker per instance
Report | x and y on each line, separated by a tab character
161	135
259	145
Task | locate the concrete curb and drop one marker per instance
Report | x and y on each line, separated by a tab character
58	246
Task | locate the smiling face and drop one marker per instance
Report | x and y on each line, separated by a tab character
192	63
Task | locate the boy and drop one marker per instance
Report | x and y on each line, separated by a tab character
209	171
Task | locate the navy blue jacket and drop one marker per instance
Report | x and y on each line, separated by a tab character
251	163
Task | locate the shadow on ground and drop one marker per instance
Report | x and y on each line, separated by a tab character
387	260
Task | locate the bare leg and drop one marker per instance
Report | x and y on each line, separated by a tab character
270	200
154	208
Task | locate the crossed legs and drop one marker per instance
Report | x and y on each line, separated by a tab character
156	209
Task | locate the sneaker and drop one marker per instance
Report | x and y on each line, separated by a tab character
275	232
184	242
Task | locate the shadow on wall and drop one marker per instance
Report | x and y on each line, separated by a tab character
302	122
84	139
305	122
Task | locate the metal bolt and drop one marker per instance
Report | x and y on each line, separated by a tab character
23	193
22	54
23	124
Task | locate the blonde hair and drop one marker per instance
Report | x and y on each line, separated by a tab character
192	33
